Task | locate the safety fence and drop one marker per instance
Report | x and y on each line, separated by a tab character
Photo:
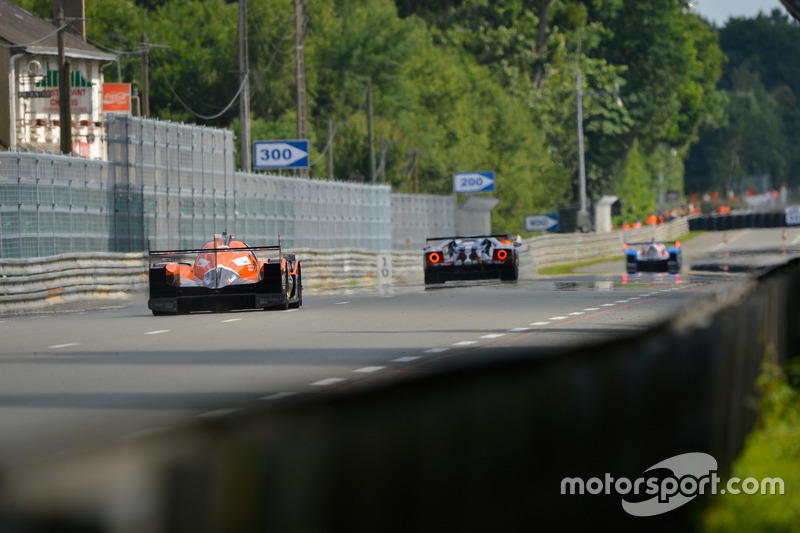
479	448
170	186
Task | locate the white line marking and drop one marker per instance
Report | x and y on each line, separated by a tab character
492	335
577	313
369	369
592	309
539	323
621	301
217	413
327	381
796	240
406	359
558	318
156	332
607	305
341	303
277	396
231	320
464	343
518	330
65	345
437	350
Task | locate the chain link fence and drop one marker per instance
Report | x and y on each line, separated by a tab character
169	185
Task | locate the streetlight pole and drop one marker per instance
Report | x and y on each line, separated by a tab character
584	220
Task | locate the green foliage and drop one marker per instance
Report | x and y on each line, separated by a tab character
772	450
459	85
763	124
635	187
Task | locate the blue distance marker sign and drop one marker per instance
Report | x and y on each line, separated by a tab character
464	182
280	154
548	222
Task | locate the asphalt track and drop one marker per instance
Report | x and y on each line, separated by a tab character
70	381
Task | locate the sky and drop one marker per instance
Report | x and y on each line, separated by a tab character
719	11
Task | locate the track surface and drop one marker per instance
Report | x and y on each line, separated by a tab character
72	380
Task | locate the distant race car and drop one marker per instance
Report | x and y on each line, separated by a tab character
469	258
225	274
653	256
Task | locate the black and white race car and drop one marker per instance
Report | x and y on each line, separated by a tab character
470	258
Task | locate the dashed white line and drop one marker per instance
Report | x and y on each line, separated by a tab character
518	330
577	313
217	413
436	350
341	303
156	332
65	345
539	323
327	381
369	369
592	309
406	359
492	335
277	396
621	301
464	343
607	305
231	320
558	318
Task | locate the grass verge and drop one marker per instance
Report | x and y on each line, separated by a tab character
568	268
772	450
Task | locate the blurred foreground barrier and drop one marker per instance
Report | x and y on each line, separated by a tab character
479	449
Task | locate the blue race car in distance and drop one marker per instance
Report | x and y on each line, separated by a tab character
653	256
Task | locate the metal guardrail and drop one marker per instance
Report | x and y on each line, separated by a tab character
45	283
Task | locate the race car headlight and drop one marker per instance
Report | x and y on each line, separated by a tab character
501	255
434	257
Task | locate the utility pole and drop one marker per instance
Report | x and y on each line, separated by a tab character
145	50
414	172
370	132
330	149
244	103
64	89
300	68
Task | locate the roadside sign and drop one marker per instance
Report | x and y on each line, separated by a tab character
466	182
280	154
544	222
793	215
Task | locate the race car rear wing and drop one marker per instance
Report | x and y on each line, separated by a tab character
494	236
676	244
226	238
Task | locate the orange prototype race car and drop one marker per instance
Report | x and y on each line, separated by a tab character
226	274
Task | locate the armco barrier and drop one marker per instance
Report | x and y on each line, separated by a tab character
479	448
43	283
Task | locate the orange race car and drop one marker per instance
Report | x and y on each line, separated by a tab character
224	275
